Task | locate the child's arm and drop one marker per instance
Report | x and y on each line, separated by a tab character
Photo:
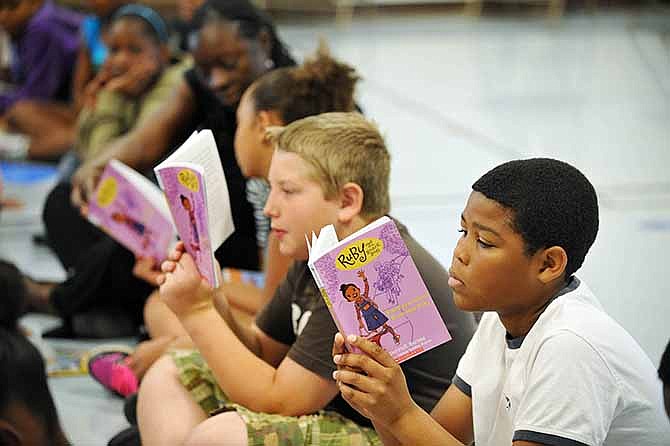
361	274
287	389
83	73
375	385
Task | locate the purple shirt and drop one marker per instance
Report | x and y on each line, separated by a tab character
44	56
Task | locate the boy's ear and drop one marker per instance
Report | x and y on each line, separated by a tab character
351	202
269	118
553	263
8	435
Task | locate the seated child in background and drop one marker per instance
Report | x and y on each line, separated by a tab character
45	38
276	375
132	84
547	365
279	97
27	412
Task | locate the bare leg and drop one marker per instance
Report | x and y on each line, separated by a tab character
396	336
228	427
166	411
50	126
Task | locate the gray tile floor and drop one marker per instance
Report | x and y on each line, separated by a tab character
455	96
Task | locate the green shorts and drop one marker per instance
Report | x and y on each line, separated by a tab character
323	428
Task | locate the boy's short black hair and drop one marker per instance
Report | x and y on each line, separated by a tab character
23	381
552	204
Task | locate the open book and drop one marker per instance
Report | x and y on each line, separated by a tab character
373	289
195	186
132	210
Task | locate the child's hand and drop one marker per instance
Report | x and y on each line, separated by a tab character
382	395
134	81
84	181
361	274
146	269
182	288
90	94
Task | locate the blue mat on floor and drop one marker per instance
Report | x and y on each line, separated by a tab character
25	172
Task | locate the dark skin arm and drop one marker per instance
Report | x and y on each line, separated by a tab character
140	148
83	74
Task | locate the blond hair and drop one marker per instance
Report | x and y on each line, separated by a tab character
341	148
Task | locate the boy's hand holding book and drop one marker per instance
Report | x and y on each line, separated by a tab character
372	382
182	288
147	269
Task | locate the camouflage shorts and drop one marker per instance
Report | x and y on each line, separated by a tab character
323	428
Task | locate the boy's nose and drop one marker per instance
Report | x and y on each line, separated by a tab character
269	208
460	252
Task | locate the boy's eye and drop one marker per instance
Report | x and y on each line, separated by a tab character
483	244
463	231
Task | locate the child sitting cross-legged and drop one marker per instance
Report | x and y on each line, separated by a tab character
271	383
547	365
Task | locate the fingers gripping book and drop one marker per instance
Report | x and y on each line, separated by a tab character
195	186
133	211
373	289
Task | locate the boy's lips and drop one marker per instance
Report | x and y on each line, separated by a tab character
279	233
454	281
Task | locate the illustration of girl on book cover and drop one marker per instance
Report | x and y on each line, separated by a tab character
136	226
195	236
368	311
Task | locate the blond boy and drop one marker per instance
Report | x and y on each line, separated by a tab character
274	380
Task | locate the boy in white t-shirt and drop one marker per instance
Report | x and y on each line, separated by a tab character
547	365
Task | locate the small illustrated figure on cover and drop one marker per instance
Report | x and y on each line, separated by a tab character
367	309
134	225
195	237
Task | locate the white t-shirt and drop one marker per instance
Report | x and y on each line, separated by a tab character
577	378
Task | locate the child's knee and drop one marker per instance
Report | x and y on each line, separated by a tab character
228	425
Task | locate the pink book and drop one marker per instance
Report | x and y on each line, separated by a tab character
133	211
195	187
373	289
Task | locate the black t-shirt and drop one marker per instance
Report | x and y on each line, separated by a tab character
297	316
240	250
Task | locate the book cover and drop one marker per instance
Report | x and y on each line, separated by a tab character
184	189
133	211
373	289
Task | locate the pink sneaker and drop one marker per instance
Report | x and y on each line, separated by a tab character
109	368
